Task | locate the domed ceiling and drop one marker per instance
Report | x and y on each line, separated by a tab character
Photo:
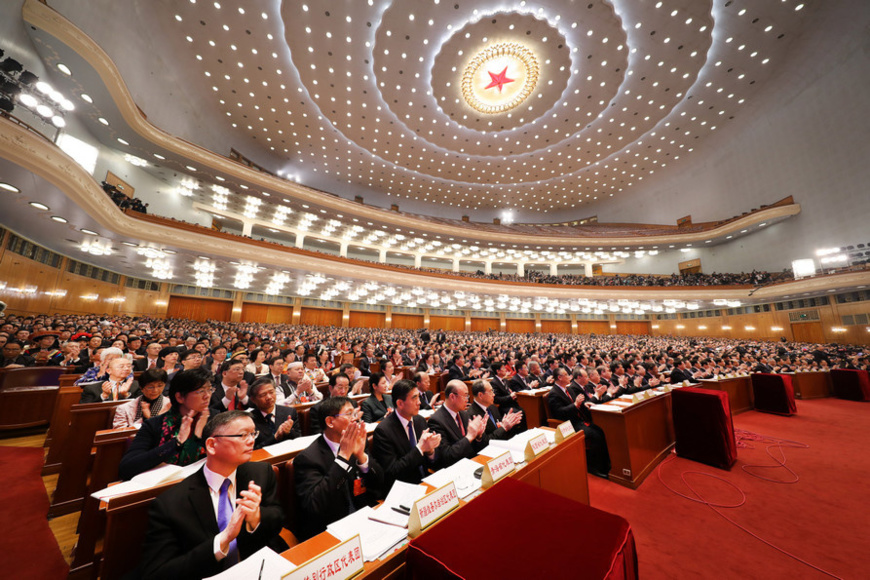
544	107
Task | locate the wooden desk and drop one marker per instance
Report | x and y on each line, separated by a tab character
561	470
532	405
814	385
638	438
739	391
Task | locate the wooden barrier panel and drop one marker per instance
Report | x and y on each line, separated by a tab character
59	427
27	396
72	481
69	379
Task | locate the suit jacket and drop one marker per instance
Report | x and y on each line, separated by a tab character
392	449
426	399
374	410
365	365
267	428
454	445
179	542
518	384
140	364
93	392
326	486
456	373
493	431
503	398
216	405
562	407
678	376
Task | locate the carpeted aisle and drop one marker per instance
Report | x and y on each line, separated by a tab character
823	518
29	549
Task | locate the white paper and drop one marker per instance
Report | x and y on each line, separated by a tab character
151	478
608	408
426	413
370	427
620	403
376	537
401	494
461	474
290	445
274	567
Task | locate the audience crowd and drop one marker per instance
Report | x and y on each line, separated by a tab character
124	201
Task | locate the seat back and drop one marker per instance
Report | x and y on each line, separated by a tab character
773	393
851	384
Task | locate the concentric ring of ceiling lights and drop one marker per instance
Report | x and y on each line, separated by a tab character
501	91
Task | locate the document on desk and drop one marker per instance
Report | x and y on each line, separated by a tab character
396	507
265	564
370	427
460	473
517	444
290	445
376	537
608	408
426	413
151	478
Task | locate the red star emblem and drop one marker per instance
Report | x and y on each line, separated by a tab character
499	80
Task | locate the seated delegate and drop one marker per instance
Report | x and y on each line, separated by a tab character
150	403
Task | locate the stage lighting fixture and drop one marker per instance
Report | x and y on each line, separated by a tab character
10	65
6	104
27	78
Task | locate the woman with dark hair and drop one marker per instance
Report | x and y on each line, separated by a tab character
150	403
379	404
176	436
258	366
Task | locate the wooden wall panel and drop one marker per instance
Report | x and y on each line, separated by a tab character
447	323
266	313
408	321
632	327
808	332
367	319
556	326
484	324
520	326
200	309
593	327
320	317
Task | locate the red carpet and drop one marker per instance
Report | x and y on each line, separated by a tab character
823	518
29	549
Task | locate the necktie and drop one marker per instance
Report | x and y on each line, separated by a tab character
413	438
491	418
270	419
114	392
225	512
459	422
151	363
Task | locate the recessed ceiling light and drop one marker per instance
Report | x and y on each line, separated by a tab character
8	187
159	156
103	121
190	167
89	232
38	205
169	251
122	141
58	219
64	69
87	98
131	244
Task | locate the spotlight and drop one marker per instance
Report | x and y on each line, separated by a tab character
28	78
6	104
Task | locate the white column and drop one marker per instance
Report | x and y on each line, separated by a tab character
382	256
455	264
342	250
487	267
588	267
247	227
418	260
300	240
520	269
554	270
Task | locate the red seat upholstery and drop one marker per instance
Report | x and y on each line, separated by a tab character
851	384
773	394
703	427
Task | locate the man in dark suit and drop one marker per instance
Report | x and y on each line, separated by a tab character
367	360
680	373
231	390
150	360
497	426
428	399
566	404
274	423
460	436
196	529
334	476
119	386
402	443
521	381
283	389
457	371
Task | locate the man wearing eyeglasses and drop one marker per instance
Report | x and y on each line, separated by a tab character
334	475
218	516
274	422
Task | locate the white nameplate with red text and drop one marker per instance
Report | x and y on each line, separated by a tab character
496	468
536	446
430	508
563	431
339	563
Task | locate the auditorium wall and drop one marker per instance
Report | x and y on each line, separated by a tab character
90	296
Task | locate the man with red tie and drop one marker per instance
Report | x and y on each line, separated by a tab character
460	436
